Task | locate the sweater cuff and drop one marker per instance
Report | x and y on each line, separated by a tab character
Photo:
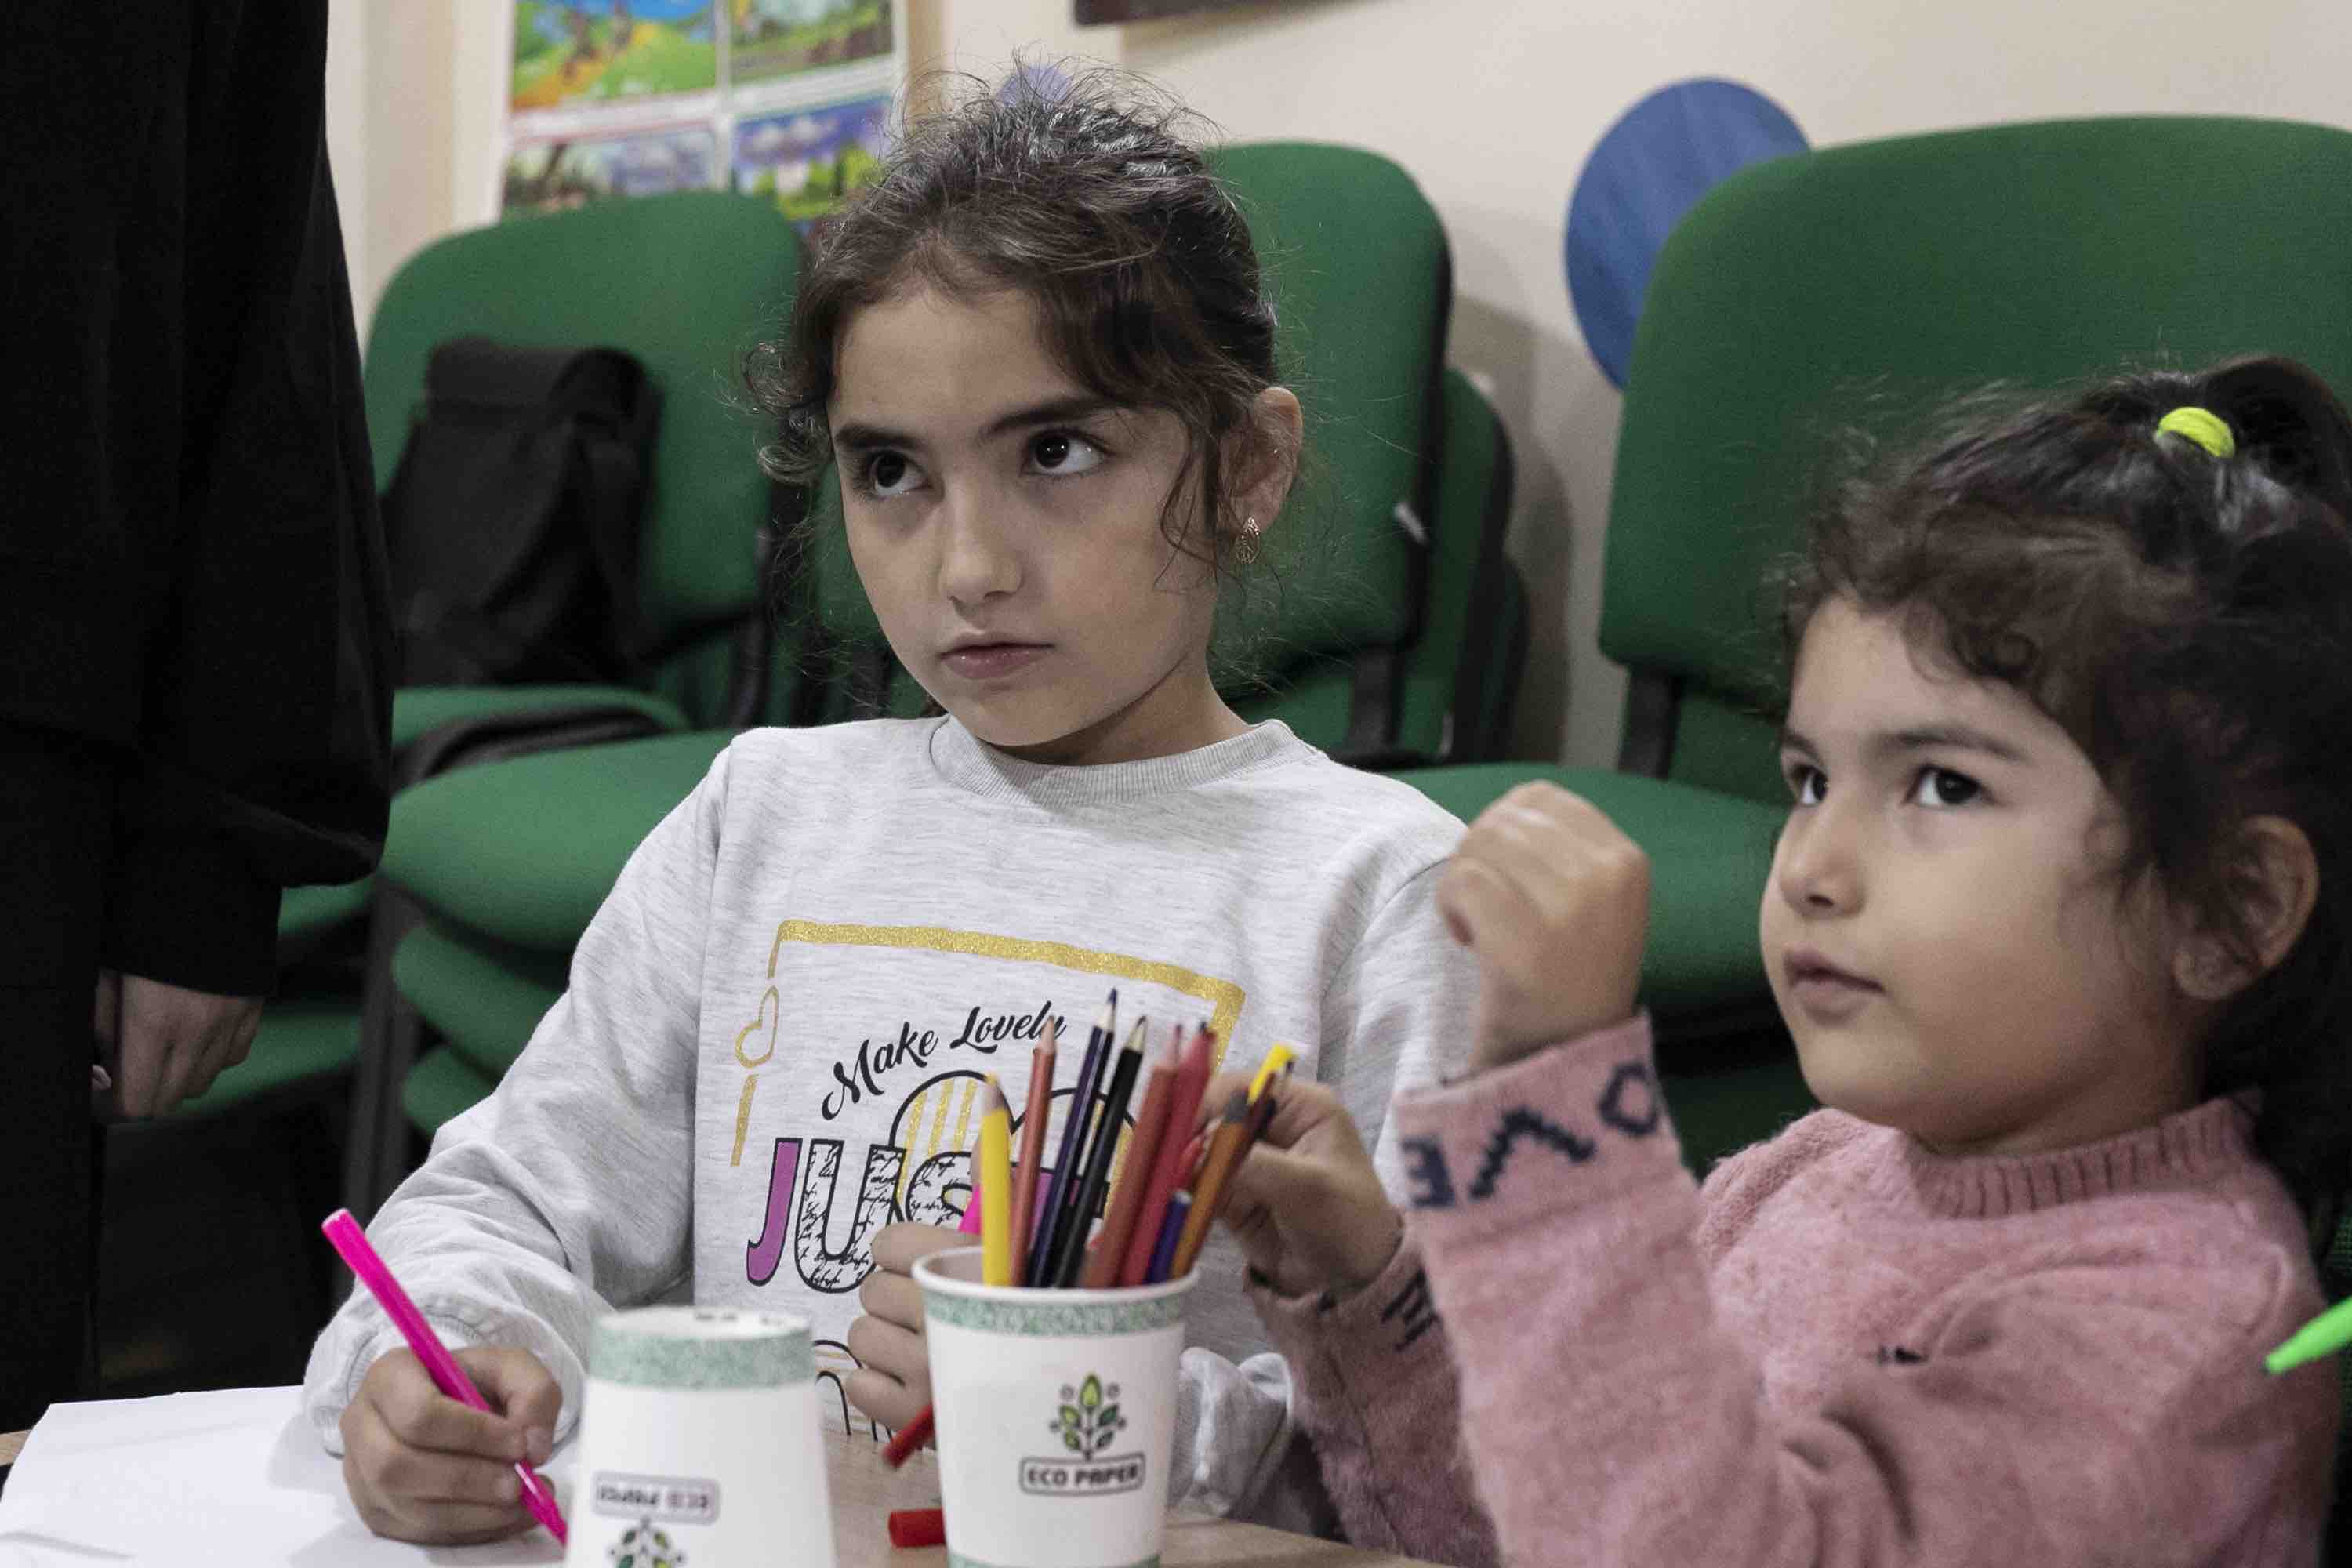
1573	1125
1363	1332
186	909
1376	1391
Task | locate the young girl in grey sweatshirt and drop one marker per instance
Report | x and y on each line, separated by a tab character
1039	351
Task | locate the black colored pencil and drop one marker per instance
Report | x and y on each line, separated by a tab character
1071	1259
1073	1147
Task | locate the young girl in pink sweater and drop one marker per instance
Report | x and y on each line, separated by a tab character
2059	923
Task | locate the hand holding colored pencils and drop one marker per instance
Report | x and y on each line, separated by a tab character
1303	1202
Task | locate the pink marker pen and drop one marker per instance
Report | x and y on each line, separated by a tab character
348	1239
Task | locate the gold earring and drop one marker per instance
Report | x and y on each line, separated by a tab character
1246	551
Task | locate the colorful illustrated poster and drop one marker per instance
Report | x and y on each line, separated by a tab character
807	161
548	177
602	51
788	100
783	37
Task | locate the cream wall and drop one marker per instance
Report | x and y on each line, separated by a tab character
1493	106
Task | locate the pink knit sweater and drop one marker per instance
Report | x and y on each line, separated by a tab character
1844	1349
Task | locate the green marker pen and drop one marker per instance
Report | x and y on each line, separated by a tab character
2323	1335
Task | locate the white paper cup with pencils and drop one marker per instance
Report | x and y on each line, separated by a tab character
1054	1413
699	1443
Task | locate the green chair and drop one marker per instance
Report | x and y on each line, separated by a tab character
1865	285
686	283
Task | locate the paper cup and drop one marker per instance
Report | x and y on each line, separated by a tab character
1053	1410
699	1444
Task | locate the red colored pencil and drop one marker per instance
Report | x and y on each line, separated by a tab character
1169	1169
1040	1110
909	1438
911	1527
1109	1256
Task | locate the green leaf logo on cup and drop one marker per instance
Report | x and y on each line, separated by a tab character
644	1546
1086	1424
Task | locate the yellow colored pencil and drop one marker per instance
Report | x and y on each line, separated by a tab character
996	1188
1276	1060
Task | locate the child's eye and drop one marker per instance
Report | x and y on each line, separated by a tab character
1943	788
888	474
1805	782
1062	453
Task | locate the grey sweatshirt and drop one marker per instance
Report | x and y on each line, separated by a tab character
776	1026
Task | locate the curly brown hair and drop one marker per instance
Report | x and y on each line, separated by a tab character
2187	620
1086	193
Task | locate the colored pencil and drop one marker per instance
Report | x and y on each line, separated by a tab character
2323	1336
1109	1253
1262	1116
913	1527
1277	1059
1039	1111
1167	1174
351	1243
1164	1252
969	1224
996	1188
1109	1123
907	1438
1209	1186
1074	1129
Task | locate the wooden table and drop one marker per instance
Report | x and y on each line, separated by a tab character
865	1490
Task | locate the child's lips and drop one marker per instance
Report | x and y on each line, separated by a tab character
1822	990
991	661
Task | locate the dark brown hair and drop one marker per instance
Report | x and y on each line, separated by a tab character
2187	619
1086	194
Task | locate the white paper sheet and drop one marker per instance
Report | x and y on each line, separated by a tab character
229	1477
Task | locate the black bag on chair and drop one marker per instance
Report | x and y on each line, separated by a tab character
512	519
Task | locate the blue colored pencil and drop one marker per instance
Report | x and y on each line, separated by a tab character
1164	1253
1041	1245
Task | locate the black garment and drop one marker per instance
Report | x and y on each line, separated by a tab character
56	796
190	568
195	650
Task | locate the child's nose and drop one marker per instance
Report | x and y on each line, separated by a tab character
977	560
1819	870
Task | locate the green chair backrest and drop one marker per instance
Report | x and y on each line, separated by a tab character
688	283
1358	271
1456	680
1870	283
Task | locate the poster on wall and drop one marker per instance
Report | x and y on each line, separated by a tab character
807	161
788	100
546	176
604	50
784	38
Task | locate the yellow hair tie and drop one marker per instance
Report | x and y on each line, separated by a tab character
2203	425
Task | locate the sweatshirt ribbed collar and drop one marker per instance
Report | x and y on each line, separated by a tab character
2185	1149
967	762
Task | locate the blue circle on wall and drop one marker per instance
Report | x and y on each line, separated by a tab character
1649	169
